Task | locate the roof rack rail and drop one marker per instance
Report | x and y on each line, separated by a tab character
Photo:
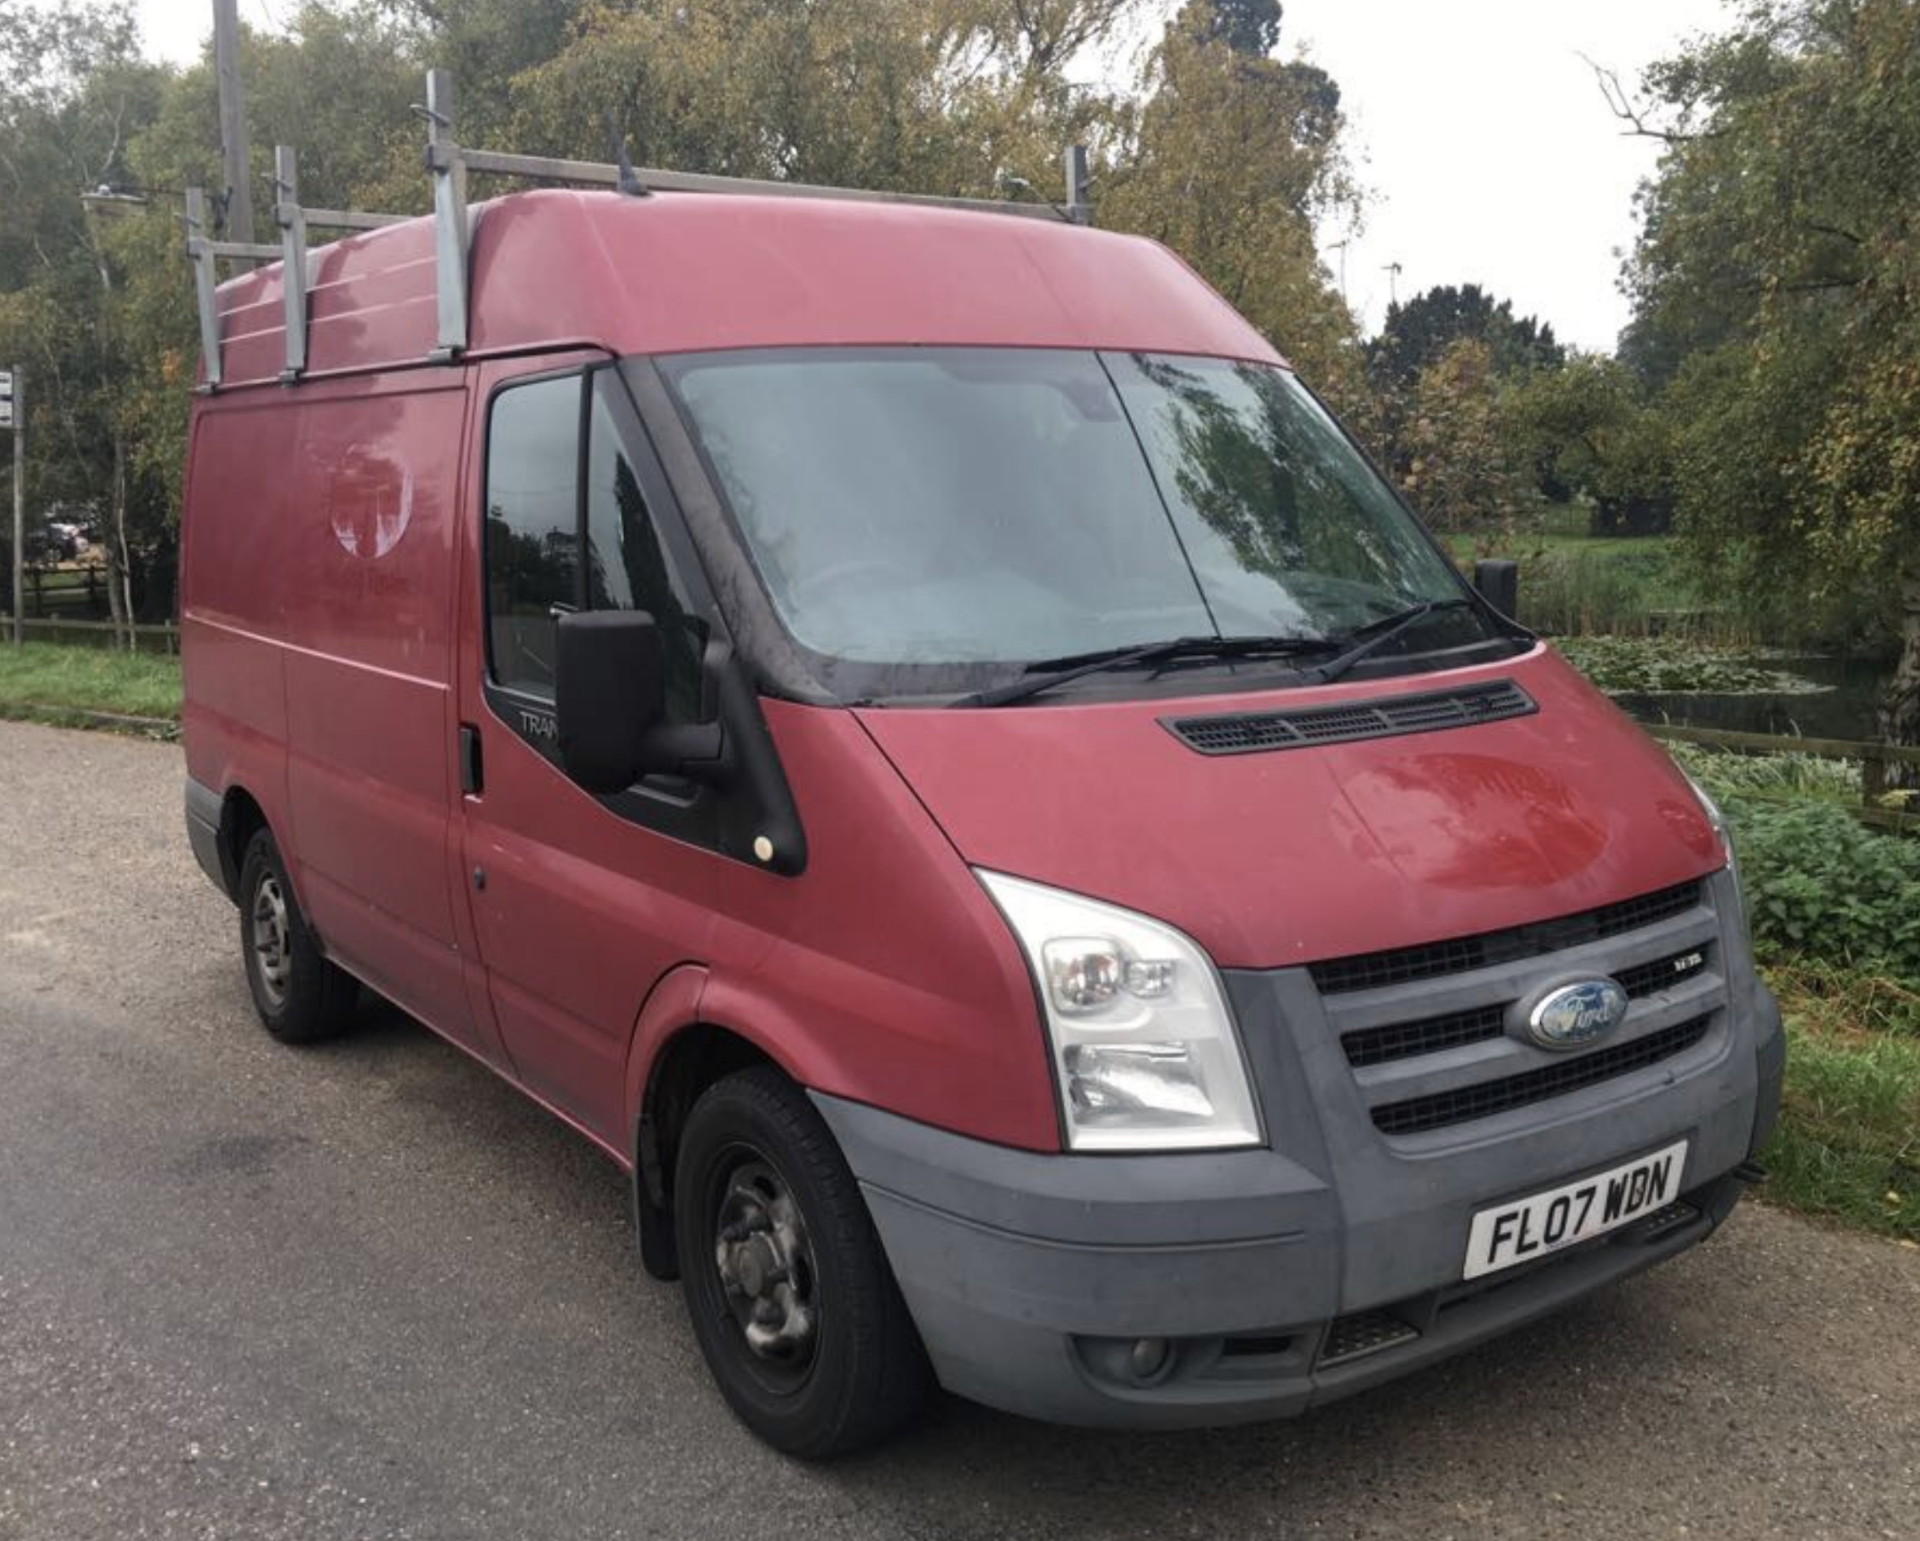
449	163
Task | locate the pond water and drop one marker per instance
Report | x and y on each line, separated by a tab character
1845	710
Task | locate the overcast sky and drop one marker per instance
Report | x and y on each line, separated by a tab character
1488	152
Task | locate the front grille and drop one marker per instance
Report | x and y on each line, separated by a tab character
1382	717
1417	1115
1430	1035
1405	1040
1400	965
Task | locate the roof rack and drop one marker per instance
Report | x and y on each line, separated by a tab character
449	163
204	252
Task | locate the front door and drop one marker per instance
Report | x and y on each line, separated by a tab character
580	904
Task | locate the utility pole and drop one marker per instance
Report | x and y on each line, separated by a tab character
13	411
1393	283
233	121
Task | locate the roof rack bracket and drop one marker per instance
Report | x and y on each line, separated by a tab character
200	254
448	166
1079	207
292	220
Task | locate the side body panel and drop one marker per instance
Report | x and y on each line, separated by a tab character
319	600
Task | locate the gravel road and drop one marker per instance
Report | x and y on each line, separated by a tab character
366	1291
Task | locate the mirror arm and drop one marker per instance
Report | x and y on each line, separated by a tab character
695	750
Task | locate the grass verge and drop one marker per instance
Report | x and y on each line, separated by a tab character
1848	1142
51	681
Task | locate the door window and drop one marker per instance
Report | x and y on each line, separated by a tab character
572	531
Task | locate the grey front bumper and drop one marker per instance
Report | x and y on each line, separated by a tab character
1031	1276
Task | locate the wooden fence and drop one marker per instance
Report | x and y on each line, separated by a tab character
1873	760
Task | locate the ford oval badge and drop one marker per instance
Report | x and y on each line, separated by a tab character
1577	1014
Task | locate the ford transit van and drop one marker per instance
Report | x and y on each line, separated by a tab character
916	733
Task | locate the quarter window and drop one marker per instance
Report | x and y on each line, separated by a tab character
533	527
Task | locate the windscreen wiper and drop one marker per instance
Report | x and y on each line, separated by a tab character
1049	672
1375	635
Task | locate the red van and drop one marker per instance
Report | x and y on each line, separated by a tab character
915	732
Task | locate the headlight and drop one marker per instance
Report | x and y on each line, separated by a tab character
1714	817
1144	1048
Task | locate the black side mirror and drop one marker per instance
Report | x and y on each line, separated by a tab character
1499	585
610	693
610	706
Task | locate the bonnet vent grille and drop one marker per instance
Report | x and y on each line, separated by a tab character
1381	717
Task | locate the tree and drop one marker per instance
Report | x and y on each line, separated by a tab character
1589	427
1779	262
1461	470
1417	331
73	94
954	96
1233	158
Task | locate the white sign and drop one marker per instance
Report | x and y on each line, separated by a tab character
6	384
6	411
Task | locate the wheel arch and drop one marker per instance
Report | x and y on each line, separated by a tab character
676	1054
241	817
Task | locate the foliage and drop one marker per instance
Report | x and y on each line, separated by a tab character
1777	282
1791	774
1459	465
1822	886
1660	665
1418	331
1232	158
1604	587
73	94
1452	359
1848	1141
48	674
1590	428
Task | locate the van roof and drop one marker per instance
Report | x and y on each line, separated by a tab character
685	272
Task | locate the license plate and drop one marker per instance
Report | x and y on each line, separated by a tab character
1562	1217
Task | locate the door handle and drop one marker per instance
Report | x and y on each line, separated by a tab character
472	780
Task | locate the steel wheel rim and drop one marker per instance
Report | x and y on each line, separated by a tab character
272	938
764	1276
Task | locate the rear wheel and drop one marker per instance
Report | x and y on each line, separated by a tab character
790	1294
301	997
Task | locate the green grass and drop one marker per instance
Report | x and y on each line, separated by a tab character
1788	774
48	679
1576	584
1848	1142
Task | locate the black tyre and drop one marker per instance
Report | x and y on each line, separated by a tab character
301	997
791	1297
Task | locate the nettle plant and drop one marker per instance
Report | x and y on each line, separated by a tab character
1822	887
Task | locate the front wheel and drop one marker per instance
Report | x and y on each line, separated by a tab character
790	1294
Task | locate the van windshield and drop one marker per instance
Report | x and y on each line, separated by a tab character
929	519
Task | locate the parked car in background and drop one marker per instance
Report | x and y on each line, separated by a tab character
47	545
